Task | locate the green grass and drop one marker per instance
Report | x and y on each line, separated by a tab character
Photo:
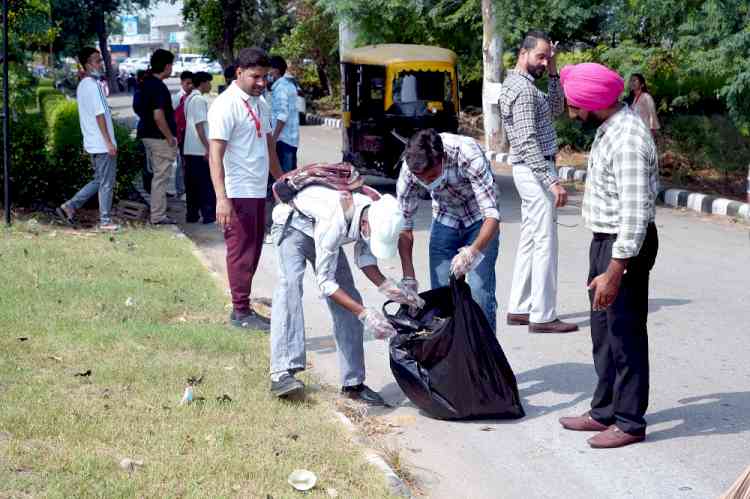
63	435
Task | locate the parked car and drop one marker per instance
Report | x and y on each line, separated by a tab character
132	65
209	66
186	62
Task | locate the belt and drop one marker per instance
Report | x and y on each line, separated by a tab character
602	236
550	158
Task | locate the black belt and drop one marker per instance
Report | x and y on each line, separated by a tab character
550	158
602	236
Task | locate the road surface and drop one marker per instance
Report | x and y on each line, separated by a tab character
699	416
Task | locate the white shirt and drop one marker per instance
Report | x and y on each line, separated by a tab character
246	159
324	220
196	111
92	103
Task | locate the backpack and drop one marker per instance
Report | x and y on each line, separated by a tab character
180	118
337	176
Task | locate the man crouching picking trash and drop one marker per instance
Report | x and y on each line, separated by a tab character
322	221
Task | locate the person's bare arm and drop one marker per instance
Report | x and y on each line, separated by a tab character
200	128
487	233
216	164
101	122
161	122
279	128
274	166
406	252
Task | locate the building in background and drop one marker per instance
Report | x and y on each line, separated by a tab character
161	26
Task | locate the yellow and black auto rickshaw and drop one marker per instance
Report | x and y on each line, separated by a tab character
390	91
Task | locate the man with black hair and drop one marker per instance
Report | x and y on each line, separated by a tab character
99	142
158	130
229	77
285	118
200	197
464	239
179	103
242	151
527	117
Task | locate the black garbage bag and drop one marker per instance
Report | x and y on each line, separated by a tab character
448	361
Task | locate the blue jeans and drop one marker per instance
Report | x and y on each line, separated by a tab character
444	245
105	169
287	156
287	320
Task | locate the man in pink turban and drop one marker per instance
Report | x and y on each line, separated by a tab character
619	208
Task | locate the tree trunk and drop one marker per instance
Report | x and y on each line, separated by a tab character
231	10
492	57
325	82
101	34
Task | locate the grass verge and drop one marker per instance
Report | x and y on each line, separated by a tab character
139	311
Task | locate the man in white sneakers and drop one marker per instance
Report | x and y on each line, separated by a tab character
98	141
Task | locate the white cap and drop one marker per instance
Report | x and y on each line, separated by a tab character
386	221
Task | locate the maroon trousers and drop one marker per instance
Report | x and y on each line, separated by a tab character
244	239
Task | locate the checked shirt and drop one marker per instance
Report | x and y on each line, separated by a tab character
527	117
622	182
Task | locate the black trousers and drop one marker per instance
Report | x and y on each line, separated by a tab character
620	338
200	197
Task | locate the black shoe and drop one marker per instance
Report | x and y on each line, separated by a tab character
363	393
287	386
250	320
165	221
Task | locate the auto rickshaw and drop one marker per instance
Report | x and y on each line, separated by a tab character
390	91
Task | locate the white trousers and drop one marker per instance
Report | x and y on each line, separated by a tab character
534	289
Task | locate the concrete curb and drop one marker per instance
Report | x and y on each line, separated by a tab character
680	198
316	119
396	486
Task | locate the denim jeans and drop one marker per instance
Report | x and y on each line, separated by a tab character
444	245
105	170
287	156
287	318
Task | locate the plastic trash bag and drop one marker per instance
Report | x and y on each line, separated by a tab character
448	361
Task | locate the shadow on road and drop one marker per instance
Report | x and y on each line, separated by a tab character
704	415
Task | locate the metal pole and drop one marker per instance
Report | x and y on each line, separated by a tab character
6	117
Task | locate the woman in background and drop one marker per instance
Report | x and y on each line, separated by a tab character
642	103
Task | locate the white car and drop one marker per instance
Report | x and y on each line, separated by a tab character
134	64
186	62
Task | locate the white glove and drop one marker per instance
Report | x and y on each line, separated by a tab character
400	293
410	283
465	261
376	323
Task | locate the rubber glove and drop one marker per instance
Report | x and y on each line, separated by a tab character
410	283
465	261
400	294
376	323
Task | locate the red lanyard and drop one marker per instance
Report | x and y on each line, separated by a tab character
255	118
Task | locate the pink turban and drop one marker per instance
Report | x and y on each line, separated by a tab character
591	86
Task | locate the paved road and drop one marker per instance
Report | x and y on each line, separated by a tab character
699	433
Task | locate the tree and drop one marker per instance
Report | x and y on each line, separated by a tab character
315	36
492	55
225	26
81	22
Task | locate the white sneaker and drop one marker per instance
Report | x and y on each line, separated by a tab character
109	227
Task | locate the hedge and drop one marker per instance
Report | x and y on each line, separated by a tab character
48	161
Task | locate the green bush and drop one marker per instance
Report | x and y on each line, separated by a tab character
709	143
49	163
30	168
47	99
573	133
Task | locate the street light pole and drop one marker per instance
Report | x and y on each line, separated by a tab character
6	118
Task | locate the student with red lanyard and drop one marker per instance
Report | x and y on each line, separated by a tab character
242	151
